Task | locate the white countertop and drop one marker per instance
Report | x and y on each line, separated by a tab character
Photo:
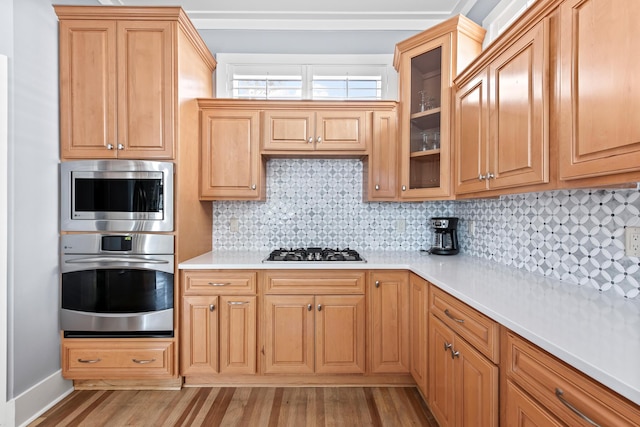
597	333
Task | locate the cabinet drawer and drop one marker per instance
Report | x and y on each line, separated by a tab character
207	282
480	331
117	359
316	282
545	377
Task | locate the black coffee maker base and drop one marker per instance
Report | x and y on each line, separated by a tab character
438	251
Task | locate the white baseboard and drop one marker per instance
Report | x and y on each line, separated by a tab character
39	398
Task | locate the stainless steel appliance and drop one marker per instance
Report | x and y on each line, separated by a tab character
445	236
314	254
116	195
117	285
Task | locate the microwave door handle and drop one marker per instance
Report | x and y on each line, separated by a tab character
118	260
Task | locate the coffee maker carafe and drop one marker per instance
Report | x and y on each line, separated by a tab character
445	236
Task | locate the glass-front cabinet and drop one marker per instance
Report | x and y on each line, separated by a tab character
427	64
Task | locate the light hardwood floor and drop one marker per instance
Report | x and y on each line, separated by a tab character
243	406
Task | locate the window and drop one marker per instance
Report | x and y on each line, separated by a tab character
320	77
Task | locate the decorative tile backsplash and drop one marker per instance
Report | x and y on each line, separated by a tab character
575	235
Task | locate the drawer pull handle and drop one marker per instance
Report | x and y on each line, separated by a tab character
447	346
559	394
89	360
237	302
219	284
143	362
450	316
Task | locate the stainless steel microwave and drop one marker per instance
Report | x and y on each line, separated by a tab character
116	195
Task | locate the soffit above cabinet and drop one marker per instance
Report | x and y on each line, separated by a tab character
326	15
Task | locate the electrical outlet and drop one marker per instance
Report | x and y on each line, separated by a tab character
233	225
401	225
632	246
472	228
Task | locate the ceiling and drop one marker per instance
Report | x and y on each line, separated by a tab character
321	15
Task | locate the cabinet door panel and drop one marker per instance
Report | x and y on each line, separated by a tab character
289	130
289	334
382	163
389	322
230	161
199	347
476	380
471	135
441	375
522	411
340	334
599	88
341	130
237	335
518	140
87	89
419	322
145	89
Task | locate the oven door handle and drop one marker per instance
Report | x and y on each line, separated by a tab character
118	260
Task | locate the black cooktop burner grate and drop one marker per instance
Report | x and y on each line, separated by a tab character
314	254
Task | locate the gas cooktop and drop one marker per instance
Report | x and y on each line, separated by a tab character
314	254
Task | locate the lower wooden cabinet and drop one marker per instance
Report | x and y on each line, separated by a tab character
218	335
463	384
388	322
544	385
418	331
322	334
84	358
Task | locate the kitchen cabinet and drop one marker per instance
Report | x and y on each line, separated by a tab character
218	325
117	82
314	323
388	321
463	356
309	130
427	64
106	359
599	94
539	385
381	166
419	321
231	166
501	118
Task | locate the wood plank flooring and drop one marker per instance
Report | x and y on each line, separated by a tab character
243	406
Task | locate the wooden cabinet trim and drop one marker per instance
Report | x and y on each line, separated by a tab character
314	282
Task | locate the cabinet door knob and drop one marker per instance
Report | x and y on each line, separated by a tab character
309	307
404	188
120	147
482	177
447	346
310	140
253	187
319	307
319	139
377	187
109	146
490	175
212	307
377	283
454	354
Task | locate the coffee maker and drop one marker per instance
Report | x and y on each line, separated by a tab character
445	236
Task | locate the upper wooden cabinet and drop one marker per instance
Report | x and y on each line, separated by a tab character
304	130
381	166
598	88
501	118
119	77
231	167
427	64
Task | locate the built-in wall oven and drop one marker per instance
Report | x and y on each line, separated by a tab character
116	195
117	285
